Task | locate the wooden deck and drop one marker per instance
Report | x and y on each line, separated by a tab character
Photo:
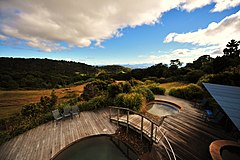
43	142
188	134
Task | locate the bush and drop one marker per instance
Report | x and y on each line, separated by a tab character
132	101
126	87
147	93
193	76
226	78
114	89
189	92
94	89
157	89
135	82
95	103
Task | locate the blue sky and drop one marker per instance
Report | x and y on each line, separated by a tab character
109	32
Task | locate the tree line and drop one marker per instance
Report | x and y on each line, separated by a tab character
23	73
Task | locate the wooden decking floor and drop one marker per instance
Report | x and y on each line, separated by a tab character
43	142
187	132
189	135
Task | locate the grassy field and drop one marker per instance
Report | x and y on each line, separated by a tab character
170	85
12	101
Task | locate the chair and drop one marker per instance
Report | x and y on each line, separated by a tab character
75	110
201	104
66	111
57	116
209	116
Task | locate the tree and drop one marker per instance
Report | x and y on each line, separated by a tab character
176	62
232	48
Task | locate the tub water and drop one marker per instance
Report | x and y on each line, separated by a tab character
98	148
162	109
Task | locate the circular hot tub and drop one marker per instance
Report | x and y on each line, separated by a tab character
162	108
224	150
100	147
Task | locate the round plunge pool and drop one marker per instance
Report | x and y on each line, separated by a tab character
101	147
230	152
162	108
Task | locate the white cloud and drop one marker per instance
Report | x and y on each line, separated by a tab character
220	5
215	34
190	5
184	55
2	37
79	23
225	4
44	24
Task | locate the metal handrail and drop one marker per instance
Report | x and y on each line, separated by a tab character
152	128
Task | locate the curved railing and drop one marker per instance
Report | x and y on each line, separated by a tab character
142	124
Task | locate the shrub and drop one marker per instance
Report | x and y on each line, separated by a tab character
132	101
189	92
94	103
226	78
126	86
157	89
94	89
147	93
114	89
135	82
193	76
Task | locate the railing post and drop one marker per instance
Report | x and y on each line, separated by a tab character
110	113
118	116
151	132
156	133
127	120
142	128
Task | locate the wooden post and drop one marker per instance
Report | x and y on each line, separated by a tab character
127	119
151	132
142	128
110	113
118	116
156	133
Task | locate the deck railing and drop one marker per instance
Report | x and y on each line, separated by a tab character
142	124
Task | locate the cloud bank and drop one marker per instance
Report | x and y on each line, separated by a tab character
214	34
46	24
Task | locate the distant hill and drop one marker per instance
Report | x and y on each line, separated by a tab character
42	73
114	69
137	66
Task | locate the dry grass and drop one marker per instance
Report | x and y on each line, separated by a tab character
12	101
170	85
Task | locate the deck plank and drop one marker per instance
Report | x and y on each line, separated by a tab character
44	141
189	135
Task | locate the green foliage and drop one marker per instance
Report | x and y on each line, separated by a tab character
225	78
194	75
94	103
114	89
147	93
35	73
132	101
126	87
135	82
31	116
156	89
94	89
189	92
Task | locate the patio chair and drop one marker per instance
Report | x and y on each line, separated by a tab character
75	110
57	116
66	111
212	117
201	104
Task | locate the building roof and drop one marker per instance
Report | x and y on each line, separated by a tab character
228	97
